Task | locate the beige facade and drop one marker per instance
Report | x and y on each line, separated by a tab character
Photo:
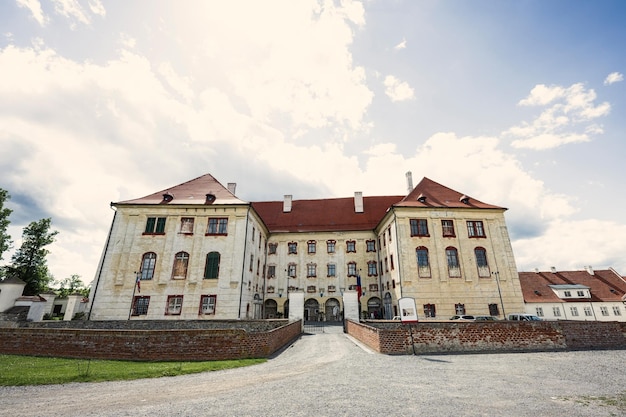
314	247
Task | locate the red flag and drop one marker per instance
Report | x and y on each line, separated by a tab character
358	286
138	282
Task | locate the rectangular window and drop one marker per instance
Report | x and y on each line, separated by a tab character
331	270
330	246
580	293
251	261
604	311
212	265
370	246
588	311
573	311
617	311
475	229
567	293
291	270
311	246
352	269
181	262
140	305
207	304
311	270
493	310
447	228
217	226
419	227
430	310
371	269
459	309
423	264
556	311
311	288
373	287
186	225
174	305
454	268
155	226
391	261
350	246
271	248
271	271
292	248
539	311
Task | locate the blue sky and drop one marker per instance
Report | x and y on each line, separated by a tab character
516	103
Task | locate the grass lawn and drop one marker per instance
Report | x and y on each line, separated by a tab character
31	370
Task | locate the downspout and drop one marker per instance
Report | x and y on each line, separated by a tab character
243	263
395	221
106	248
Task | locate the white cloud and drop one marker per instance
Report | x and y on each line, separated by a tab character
34	6
71	9
565	121
401	45
613	77
398	90
97	8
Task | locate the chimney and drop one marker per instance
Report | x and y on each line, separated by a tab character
287	203
358	202
232	186
589	270
409	181
553	269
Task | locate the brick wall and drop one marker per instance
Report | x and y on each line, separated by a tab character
395	338
147	345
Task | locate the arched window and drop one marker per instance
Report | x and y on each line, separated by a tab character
452	257
423	263
148	262
181	261
481	262
212	266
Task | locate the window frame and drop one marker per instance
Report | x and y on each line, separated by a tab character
351	246
172	308
419	227
217	226
447	230
148	266
352	270
292	248
423	269
181	262
155	225
482	264
139	299
370	245
311	270
208	298
311	247
475	229
215	265
453	262
372	268
187	225
331	270
331	246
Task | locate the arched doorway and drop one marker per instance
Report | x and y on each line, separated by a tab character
271	309
311	310
387	306
332	310
373	308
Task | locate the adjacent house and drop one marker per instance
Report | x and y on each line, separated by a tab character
196	251
587	295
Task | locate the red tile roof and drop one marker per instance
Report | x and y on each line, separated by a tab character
429	193
605	285
190	192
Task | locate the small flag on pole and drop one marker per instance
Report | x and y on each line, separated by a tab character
358	286
138	282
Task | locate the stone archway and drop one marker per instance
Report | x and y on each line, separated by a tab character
311	310
332	310
373	308
271	309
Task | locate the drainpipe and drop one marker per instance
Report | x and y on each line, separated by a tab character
395	221
106	247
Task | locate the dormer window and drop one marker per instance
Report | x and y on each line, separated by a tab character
210	198
167	197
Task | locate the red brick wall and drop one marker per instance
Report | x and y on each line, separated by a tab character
147	345
391	338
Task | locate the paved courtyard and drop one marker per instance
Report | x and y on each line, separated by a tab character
331	374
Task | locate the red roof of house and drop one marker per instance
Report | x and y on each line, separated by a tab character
429	193
605	285
191	192
330	214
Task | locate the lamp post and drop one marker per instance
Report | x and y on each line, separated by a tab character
497	275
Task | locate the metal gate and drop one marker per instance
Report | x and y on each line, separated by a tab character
318	327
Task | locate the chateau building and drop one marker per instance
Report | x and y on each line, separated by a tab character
589	295
196	251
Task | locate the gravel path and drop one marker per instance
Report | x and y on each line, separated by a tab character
332	375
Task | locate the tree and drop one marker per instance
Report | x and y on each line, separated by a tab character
71	285
29	261
5	238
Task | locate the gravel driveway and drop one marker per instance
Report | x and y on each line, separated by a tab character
333	375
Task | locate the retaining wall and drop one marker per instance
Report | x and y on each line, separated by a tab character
182	344
505	336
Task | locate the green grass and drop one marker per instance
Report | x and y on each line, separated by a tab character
31	370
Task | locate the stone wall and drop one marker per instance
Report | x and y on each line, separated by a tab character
182	344
505	336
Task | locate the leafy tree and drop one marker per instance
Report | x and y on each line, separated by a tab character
29	261
5	238
71	285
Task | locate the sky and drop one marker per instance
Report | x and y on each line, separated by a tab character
515	103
